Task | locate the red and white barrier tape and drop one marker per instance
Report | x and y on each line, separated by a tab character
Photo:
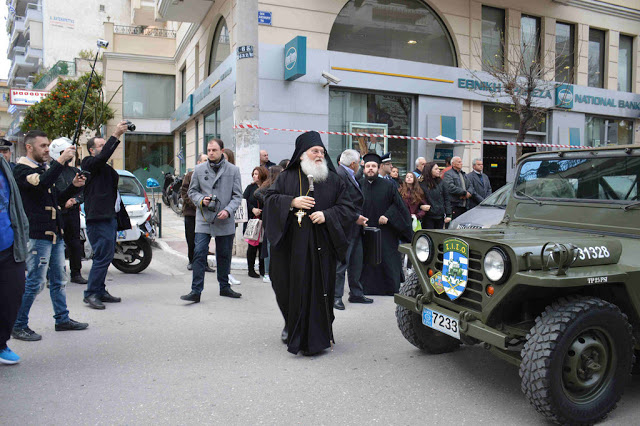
417	138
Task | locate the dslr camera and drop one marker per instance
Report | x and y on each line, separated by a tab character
212	204
130	126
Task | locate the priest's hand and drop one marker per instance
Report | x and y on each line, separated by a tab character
447	219
303	202
425	207
317	217
223	215
383	220
362	221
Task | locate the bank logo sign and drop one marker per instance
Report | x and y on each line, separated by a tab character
564	96
295	58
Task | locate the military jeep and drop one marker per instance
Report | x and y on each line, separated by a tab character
554	288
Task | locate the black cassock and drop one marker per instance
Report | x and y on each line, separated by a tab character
381	198
299	278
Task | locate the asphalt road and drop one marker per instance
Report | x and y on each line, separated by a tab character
154	359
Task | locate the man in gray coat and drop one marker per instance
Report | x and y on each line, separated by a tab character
216	191
479	183
458	188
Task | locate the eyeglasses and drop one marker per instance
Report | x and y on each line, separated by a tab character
317	152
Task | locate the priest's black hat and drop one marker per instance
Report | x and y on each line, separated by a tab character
303	143
372	156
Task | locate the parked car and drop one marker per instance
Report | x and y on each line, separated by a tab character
486	214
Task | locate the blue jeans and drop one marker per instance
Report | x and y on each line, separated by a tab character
44	256
102	237
224	247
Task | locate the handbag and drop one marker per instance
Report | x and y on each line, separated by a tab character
241	214
253	231
372	246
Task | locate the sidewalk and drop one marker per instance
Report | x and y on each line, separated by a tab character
174	242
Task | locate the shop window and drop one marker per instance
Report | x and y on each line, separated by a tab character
530	43
212	126
183	83
602	131
596	58
565	42
148	95
625	63
148	155
492	38
503	117
382	114
220	46
398	29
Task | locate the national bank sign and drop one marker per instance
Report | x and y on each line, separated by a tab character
567	97
295	58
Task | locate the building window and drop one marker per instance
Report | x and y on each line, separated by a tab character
377	113
148	155
596	58
183	83
492	38
197	150
398	29
625	63
565	42
602	131
182	153
504	118
530	43
148	95
212	125
220	46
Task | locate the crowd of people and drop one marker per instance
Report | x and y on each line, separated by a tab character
322	224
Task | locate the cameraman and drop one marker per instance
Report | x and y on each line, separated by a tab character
215	190
105	214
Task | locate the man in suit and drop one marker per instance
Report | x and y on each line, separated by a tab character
479	182
216	191
349	164
458	188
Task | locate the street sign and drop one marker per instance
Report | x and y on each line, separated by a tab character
245	52
264	18
295	58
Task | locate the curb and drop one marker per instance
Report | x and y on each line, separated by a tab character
237	263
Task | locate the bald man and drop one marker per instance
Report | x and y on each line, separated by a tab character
264	159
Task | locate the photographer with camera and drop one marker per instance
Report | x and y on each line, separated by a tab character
216	191
105	213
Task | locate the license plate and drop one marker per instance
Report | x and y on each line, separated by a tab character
147	226
443	323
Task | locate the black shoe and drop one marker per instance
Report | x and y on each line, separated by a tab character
337	304
360	299
227	292
78	279
191	297
26	334
107	298
189	267
284	336
94	302
71	325
253	274
209	269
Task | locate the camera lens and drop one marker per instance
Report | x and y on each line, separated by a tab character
131	127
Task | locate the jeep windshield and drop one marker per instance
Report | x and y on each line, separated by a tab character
605	180
498	199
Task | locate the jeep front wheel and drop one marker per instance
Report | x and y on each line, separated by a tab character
418	334
577	360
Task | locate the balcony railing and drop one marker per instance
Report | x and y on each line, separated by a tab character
144	31
60	68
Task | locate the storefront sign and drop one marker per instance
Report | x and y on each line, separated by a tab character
61	22
564	96
264	18
184	111
295	58
497	87
245	52
26	97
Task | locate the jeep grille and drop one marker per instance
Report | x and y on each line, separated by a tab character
472	296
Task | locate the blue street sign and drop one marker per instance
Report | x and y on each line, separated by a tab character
295	58
264	18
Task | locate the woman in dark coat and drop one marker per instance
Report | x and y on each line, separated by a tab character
439	212
254	207
413	197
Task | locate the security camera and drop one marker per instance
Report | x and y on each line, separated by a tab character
330	78
103	43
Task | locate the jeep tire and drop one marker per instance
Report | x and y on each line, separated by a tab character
577	360
418	334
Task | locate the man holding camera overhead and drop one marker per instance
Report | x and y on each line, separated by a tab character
216	191
105	213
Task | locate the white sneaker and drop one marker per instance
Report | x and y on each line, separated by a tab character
266	278
233	280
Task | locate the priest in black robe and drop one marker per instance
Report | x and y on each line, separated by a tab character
385	210
307	232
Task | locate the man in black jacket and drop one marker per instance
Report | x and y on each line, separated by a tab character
349	164
36	178
458	188
70	212
479	182
102	204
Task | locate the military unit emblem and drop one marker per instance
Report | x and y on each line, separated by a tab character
436	283
455	267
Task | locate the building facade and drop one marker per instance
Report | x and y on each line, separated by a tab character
401	67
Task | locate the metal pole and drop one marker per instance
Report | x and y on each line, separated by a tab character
76	133
159	207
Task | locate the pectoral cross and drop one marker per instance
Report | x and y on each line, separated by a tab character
300	215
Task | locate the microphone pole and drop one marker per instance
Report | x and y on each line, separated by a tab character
324	284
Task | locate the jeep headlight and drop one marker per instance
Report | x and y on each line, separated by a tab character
496	265
424	248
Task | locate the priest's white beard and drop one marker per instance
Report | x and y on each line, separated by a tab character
319	171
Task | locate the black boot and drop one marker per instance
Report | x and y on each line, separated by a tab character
191	297
78	279
251	261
